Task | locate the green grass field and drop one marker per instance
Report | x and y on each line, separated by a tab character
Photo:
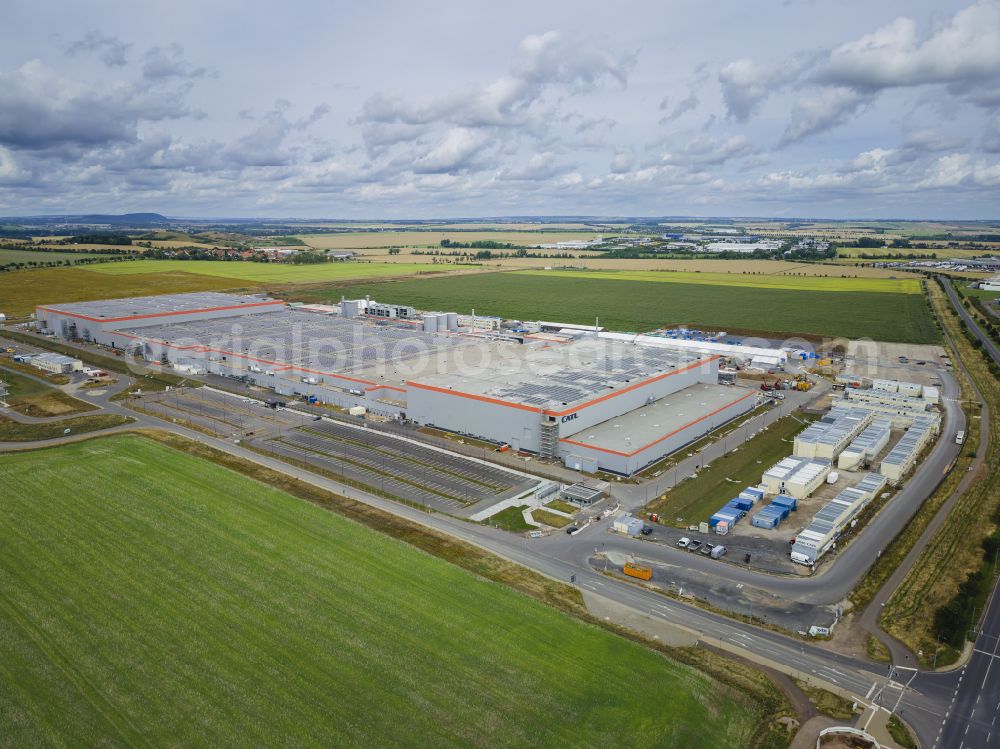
645	305
752	280
256	273
150	598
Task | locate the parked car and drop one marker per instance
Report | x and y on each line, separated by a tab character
706	549
572	529
646	530
695	545
682	543
718	552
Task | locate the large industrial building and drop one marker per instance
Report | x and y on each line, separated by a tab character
594	399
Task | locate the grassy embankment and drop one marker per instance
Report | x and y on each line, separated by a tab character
15	431
623	304
696	499
33	398
144	579
550	518
953	575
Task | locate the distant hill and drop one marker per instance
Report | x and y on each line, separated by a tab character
123	219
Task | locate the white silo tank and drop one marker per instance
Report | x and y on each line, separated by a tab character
442	322
453	321
430	323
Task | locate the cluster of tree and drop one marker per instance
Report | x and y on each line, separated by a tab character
34	264
101	237
309	258
486	254
481	244
37	247
897	256
10	232
811	252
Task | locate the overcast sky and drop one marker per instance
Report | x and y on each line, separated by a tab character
446	109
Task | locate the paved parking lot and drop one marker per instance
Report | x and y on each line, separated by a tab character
400	469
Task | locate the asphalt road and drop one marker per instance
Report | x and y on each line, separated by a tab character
988	345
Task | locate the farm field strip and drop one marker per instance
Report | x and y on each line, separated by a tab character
254	273
754	280
33	256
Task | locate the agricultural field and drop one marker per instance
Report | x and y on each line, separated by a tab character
28	256
941	253
753	280
141	584
589	260
244	273
647	305
426	239
20	292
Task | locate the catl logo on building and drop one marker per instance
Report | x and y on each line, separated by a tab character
569	417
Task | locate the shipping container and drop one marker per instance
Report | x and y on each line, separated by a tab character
765	519
783	500
637	570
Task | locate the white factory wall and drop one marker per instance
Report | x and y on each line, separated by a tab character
491	421
99	330
629	464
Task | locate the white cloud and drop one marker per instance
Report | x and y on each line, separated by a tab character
962	51
826	109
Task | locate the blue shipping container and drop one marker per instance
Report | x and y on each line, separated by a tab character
784	501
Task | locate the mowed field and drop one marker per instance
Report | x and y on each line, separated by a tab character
645	305
256	273
150	598
363	240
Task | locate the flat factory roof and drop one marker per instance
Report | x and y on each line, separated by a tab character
558	376
303	342
645	427
144	307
